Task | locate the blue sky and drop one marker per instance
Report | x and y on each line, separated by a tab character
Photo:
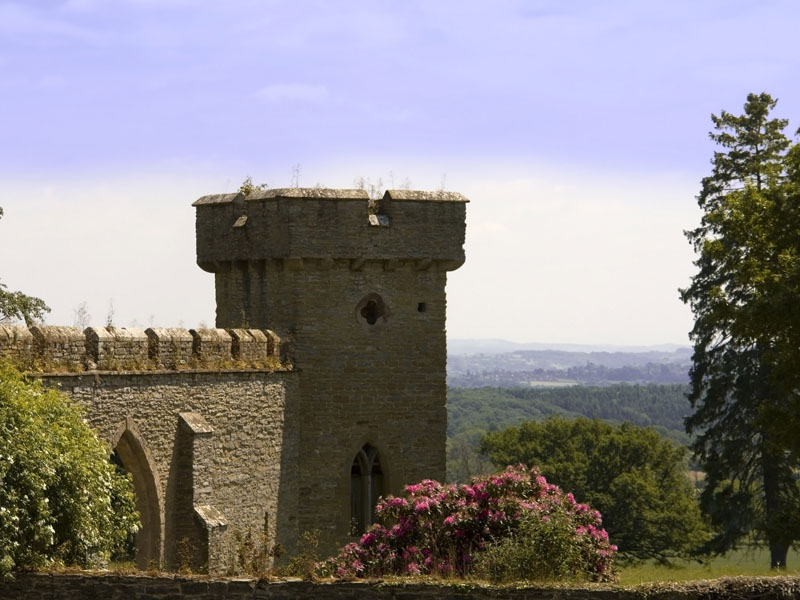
578	130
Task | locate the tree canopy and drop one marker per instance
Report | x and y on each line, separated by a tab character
61	498
18	306
745	336
633	476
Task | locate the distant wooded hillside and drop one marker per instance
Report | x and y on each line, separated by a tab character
524	368
473	412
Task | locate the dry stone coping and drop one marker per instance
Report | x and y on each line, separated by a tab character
14	334
51	334
128	334
169	334
330	194
219	336
274	194
196	422
425	196
41	586
210	516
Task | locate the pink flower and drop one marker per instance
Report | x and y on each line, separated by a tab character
368	538
412	568
358	566
450	520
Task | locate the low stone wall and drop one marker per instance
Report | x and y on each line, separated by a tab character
83	586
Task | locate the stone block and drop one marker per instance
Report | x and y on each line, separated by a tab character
255	347
16	345
59	348
116	348
170	348
211	347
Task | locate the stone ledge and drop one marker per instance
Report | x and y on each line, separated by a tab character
44	586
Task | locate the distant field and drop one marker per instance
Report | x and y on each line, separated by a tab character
754	562
549	384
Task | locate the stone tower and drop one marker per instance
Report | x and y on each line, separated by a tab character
358	286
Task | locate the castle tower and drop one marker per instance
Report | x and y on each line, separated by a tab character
358	286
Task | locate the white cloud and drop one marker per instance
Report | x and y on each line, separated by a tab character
293	92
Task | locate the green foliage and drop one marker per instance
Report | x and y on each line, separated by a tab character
248	187
539	550
303	563
18	306
633	476
61	499
744	300
473	412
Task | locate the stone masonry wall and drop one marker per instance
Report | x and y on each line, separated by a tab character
323	223
82	587
359	287
380	384
211	442
248	468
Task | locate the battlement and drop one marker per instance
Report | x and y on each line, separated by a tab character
295	224
58	349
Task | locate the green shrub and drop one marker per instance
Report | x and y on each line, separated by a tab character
61	498
539	549
464	530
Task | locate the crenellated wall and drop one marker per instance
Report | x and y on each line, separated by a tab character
202	419
48	348
240	429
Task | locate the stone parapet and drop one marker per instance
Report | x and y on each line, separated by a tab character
46	348
62	347
170	347
253	346
117	348
17	344
298	225
212	347
32	586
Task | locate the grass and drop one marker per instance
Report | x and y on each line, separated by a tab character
750	562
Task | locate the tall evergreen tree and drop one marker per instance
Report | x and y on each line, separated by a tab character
737	393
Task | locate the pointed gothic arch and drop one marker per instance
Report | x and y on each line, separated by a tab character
132	450
367	483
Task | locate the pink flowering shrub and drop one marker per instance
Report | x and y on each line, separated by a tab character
510	525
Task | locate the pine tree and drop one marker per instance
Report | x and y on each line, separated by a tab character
736	389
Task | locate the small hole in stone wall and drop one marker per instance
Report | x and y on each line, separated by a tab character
372	310
422	307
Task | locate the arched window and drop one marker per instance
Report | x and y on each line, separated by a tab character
366	486
131	454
